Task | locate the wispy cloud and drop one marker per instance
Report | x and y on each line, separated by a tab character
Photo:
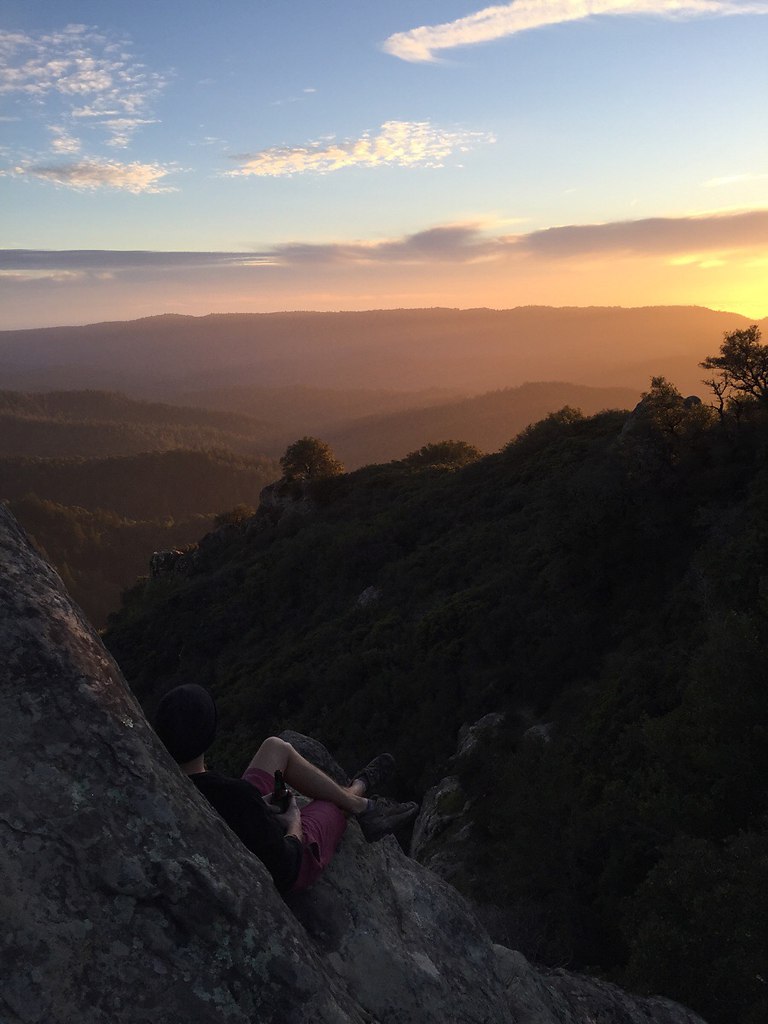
122	129
36	265
78	72
397	144
92	175
490	23
703	240
62	141
734	179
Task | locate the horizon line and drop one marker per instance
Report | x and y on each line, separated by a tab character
379	309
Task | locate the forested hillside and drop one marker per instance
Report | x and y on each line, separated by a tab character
603	575
99	520
102	480
154	485
99	423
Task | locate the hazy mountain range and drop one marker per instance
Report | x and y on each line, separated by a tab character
488	421
468	351
100	424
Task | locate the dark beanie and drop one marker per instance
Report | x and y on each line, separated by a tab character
186	721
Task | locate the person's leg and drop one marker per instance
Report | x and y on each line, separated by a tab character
325	819
323	825
275	754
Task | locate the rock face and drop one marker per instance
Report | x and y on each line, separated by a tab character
124	897
406	943
443	838
285	499
575	999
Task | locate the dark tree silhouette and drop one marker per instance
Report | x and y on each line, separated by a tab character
309	459
741	367
444	453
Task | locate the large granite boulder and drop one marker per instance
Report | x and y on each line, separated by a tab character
124	897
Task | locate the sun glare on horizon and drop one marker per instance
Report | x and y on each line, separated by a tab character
380	160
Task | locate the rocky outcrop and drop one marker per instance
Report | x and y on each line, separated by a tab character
443	835
164	563
285	500
405	943
124	897
542	995
196	558
284	504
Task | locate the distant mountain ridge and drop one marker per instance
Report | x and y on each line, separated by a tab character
301	409
466	349
487	421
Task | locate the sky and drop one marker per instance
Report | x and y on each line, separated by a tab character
259	155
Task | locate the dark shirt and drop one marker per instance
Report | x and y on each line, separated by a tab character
241	805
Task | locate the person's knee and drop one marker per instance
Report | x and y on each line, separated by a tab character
273	754
276	748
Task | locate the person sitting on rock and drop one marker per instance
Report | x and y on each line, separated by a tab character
295	846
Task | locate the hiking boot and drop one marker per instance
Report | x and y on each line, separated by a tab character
375	772
384	817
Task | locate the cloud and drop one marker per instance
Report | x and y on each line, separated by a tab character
682	241
472	243
62	141
14	278
90	261
653	236
397	144
90	175
458	243
497	22
734	179
78	72
122	129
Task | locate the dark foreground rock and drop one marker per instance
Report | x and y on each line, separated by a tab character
124	897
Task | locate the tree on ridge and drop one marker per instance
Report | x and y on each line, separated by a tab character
741	367
309	459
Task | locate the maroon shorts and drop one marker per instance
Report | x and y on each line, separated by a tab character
322	823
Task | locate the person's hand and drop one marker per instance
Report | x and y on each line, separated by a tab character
290	819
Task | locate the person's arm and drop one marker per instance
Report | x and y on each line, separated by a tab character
290	820
250	818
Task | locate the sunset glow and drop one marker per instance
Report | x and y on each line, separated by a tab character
347	156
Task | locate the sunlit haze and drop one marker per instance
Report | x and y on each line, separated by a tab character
257	156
